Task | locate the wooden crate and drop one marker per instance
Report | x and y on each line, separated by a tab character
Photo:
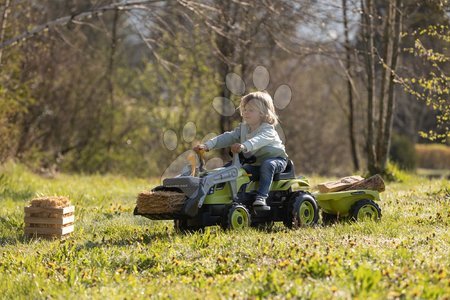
49	222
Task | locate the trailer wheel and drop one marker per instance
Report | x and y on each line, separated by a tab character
365	210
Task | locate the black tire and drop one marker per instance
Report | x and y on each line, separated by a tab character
364	209
329	219
181	226
302	211
238	217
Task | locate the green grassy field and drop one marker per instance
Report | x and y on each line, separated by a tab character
113	254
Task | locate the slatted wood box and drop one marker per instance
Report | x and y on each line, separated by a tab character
49	222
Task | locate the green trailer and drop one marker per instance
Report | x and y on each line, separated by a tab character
354	204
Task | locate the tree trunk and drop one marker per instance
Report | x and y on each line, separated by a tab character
351	118
224	69
3	26
110	82
226	52
370	69
391	88
386	60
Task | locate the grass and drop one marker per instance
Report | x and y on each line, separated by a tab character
116	255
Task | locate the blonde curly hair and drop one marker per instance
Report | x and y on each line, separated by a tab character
265	105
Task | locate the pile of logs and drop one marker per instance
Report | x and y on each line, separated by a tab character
374	183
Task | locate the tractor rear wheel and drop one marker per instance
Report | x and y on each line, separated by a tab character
302	211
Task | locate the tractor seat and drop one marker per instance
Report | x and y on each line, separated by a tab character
288	173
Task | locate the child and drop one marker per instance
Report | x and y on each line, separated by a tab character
257	136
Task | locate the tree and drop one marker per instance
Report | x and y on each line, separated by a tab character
432	86
350	87
377	144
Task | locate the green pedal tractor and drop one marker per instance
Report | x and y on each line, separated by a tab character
224	196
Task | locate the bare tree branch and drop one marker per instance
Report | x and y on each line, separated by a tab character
76	18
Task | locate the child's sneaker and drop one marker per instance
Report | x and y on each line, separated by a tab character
260	204
259	201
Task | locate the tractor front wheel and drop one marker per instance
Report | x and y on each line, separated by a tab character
238	218
365	210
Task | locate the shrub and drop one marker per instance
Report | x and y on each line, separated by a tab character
402	152
433	156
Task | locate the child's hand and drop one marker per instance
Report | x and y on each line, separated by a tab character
200	147
236	148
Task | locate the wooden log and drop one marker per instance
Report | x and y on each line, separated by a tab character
341	184
374	183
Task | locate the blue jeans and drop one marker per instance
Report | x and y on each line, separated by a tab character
266	171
